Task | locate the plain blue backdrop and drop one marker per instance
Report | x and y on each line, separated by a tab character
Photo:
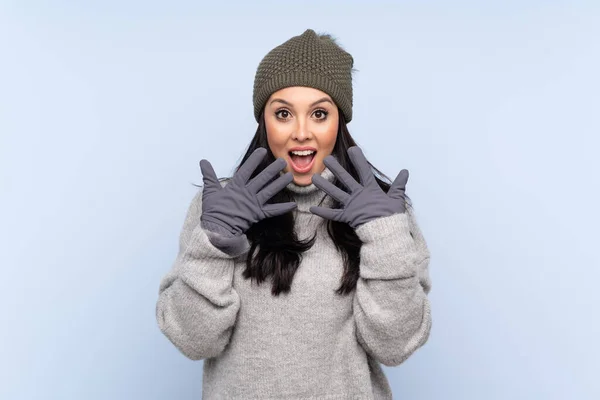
107	107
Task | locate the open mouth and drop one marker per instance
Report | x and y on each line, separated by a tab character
302	160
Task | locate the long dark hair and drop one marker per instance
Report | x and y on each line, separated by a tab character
275	249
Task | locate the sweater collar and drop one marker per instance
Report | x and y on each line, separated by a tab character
310	195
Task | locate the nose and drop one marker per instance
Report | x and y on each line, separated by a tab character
301	131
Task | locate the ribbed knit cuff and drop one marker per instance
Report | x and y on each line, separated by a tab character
395	226
389	251
340	94
205	243
233	246
224	240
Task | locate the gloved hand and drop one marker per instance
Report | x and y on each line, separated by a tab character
366	200
232	209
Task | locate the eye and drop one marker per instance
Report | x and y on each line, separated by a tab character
321	113
282	114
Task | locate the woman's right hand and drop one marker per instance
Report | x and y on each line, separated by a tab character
231	210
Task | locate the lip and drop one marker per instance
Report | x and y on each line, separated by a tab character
302	170
301	148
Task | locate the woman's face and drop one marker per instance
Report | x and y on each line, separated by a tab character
302	125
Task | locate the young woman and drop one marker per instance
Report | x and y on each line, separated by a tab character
304	272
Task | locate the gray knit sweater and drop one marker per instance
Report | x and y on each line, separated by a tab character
310	343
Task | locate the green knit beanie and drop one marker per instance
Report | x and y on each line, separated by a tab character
306	60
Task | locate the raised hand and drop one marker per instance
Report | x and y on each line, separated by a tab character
232	209
366	200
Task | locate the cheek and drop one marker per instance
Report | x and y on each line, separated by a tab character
328	137
276	139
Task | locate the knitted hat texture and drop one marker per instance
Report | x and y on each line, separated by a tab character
306	60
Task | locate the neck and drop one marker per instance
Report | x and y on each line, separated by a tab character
310	195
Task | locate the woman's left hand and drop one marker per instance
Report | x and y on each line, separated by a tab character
366	200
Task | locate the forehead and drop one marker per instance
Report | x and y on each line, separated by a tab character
299	94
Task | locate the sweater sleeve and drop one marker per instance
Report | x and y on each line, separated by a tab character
197	305
391	310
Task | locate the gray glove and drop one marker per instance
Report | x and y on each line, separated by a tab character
366	200
232	209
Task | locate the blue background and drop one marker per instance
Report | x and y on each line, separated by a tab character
107	107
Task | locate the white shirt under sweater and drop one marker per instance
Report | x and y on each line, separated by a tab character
310	343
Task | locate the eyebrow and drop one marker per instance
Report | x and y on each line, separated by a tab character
289	104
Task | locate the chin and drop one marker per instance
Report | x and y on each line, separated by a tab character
303	180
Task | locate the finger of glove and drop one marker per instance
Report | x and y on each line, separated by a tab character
398	187
209	177
273	210
260	180
245	171
330	189
343	175
274	187
327	213
362	166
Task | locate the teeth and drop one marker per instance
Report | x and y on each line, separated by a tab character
303	152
